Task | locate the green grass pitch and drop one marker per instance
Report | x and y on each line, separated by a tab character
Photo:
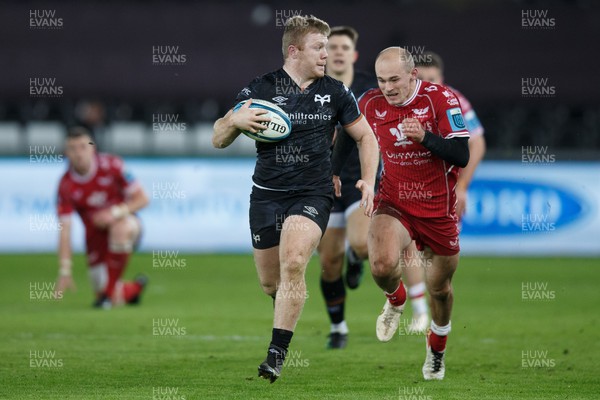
212	325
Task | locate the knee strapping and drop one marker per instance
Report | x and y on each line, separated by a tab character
125	247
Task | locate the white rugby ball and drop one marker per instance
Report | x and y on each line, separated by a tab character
279	127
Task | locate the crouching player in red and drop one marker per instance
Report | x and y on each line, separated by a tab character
106	197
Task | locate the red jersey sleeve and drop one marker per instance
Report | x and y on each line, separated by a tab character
450	119
363	102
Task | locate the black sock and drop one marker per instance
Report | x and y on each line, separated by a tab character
280	341
335	298
281	338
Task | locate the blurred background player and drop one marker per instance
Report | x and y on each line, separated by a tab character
430	68
347	220
106	198
298	193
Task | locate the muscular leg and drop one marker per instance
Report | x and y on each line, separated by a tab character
439	285
267	268
281	269
299	239
281	272
387	238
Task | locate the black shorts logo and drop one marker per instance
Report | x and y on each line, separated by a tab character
310	210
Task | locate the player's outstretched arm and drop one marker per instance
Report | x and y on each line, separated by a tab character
368	153
65	276
228	128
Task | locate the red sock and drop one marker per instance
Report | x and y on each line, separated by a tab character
437	343
398	297
131	290
115	263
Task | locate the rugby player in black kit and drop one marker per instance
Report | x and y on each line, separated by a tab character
292	194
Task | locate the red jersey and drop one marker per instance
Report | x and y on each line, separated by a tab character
414	180
106	184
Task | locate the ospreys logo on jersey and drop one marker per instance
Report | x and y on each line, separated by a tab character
322	99
455	117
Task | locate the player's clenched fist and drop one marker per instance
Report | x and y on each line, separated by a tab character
412	128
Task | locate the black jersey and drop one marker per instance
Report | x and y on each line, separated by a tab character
302	161
351	172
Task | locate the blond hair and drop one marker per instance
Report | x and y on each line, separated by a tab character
296	29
